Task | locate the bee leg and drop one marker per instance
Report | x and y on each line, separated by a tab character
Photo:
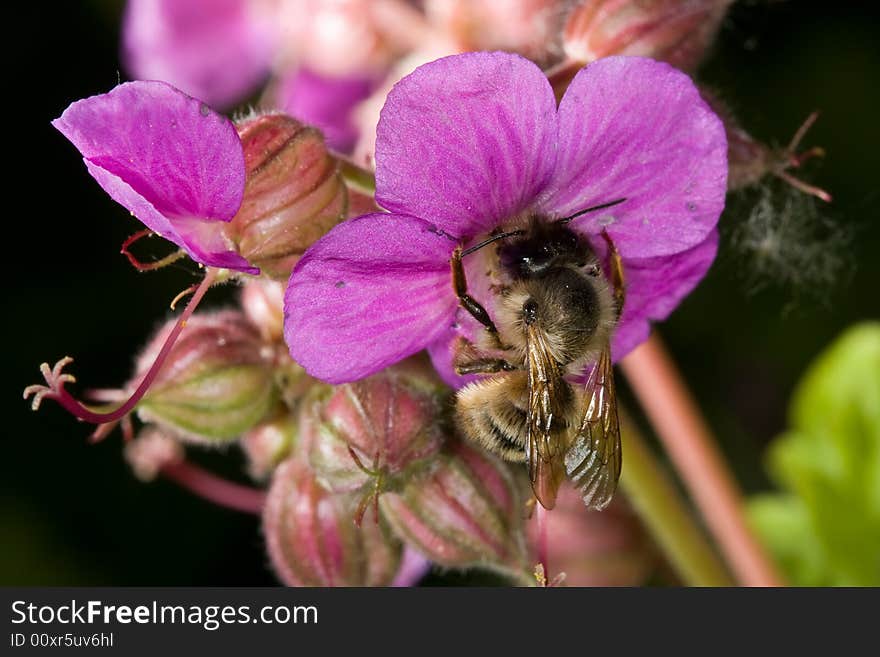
618	280
468	360
487	366
459	284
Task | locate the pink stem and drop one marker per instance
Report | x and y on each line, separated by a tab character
694	452
148	266
801	132
812	190
543	547
413	567
84	413
215	489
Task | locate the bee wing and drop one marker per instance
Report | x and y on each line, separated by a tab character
544	452
594	458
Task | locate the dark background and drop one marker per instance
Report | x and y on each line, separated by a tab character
73	514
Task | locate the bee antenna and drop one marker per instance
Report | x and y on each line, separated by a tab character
494	238
592	209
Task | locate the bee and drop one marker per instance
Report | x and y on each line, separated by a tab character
556	313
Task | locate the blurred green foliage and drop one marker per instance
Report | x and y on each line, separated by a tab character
825	530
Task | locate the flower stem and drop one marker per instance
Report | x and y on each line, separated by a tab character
543	548
692	449
215	489
413	567
799	184
654	497
356	177
55	379
148	266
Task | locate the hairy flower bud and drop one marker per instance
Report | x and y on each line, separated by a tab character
293	193
312	539
676	31
216	383
528	27
262	301
750	160
372	431
336	38
595	548
151	451
269	443
468	510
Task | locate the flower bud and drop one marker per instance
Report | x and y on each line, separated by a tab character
373	431
262	301
468	510
151	451
269	443
292	380
335	38
293	193
596	548
528	27
312	539
748	160
216	383
676	31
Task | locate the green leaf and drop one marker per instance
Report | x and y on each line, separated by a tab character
825	530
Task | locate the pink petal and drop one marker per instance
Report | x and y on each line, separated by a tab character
325	102
204	241
166	157
466	141
655	287
371	292
217	50
413	567
634	128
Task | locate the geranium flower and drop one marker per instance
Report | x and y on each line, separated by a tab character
216	50
468	142
174	163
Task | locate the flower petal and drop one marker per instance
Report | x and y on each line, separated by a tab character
637	129
655	287
325	102
217	50
204	241
166	157
466	141
371	292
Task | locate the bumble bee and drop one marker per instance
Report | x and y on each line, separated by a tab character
556	313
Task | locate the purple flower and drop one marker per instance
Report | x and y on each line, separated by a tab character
325	102
169	159
467	143
217	50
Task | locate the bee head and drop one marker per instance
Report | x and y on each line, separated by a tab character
544	245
